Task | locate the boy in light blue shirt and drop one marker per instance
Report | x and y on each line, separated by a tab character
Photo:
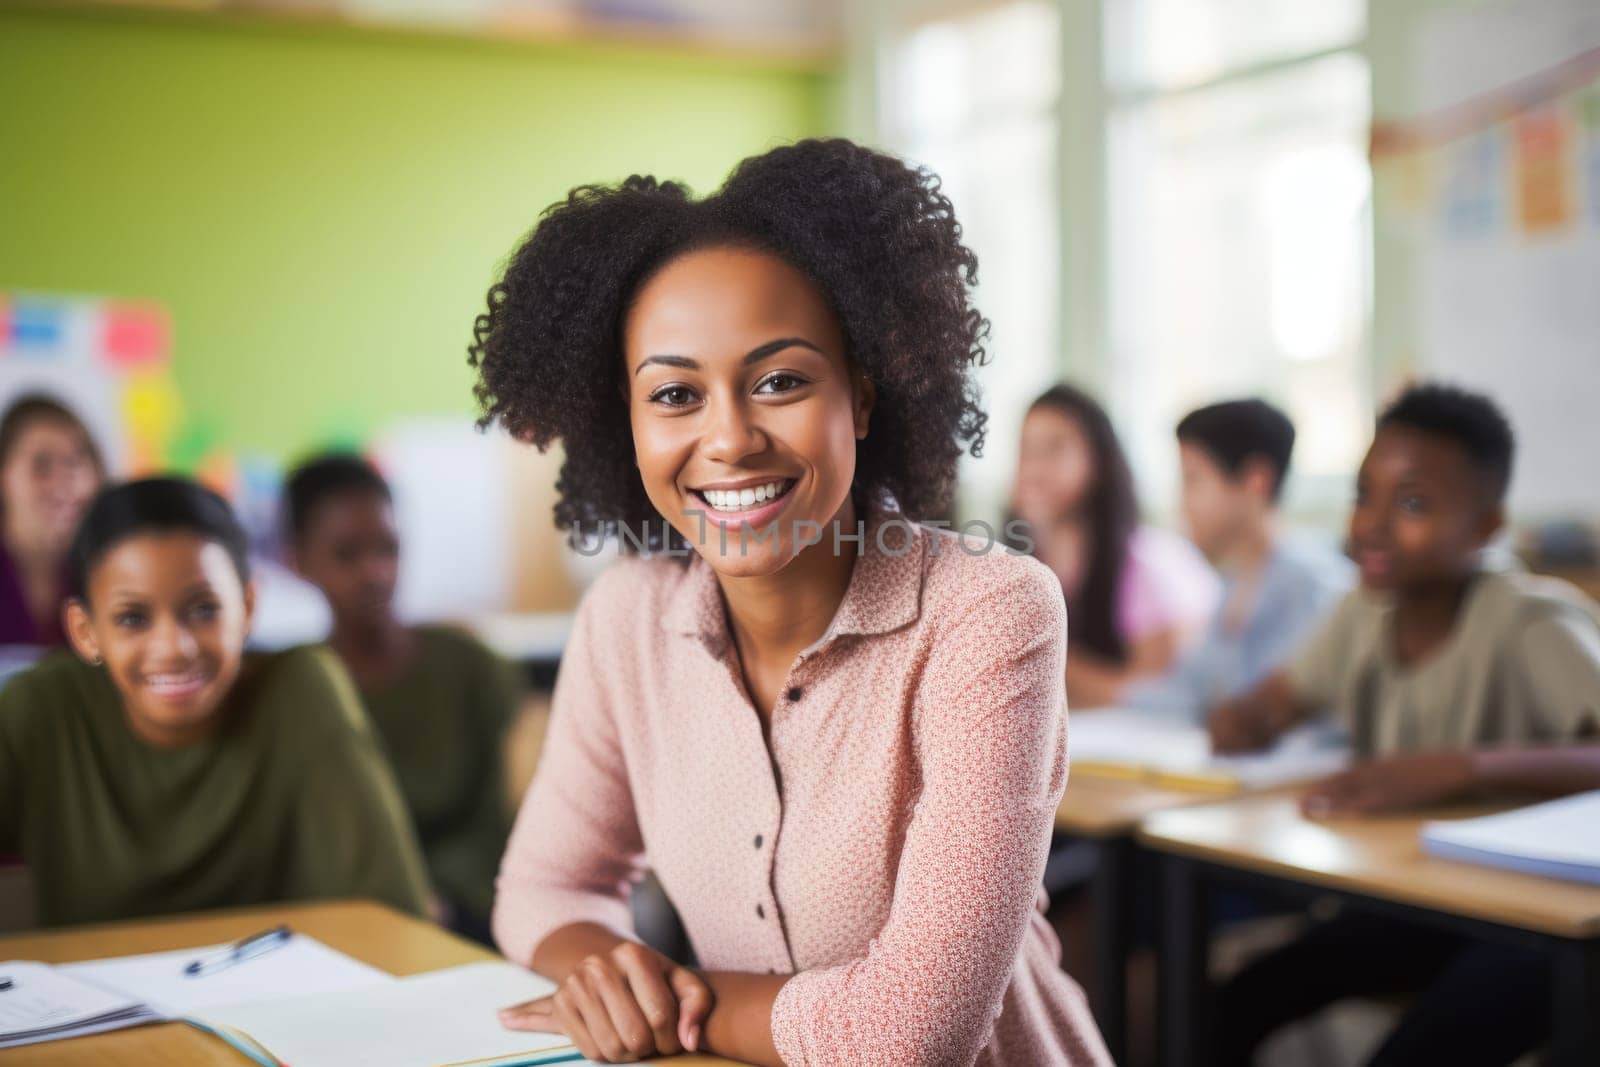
1235	457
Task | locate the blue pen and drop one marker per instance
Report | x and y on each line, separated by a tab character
244	949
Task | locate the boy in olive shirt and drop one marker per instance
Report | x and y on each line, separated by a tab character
161	769
440	700
1451	677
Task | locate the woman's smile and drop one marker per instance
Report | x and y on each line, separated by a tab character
750	500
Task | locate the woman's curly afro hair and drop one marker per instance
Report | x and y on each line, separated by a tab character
878	237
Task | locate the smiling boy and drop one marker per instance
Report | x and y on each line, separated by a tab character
1451	678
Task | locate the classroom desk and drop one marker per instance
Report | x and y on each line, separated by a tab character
1376	863
371	932
1105	812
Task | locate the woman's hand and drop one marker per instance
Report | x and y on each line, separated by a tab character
622	1005
1393	784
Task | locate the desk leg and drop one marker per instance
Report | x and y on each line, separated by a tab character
1185	942
1575	1026
1111	897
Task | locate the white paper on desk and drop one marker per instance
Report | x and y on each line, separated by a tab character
1558	839
426	1020
302	966
1130	738
43	1004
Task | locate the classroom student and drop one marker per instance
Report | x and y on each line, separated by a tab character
1451	677
440	700
1234	458
835	735
49	468
1137	595
159	769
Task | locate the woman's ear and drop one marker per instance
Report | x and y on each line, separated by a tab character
865	395
80	631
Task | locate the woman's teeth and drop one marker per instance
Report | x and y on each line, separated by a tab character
743	499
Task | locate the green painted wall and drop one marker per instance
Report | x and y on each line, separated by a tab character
322	208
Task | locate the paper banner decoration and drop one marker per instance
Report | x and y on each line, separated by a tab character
135	335
1474	178
220	473
1589	120
1544	169
37	326
151	411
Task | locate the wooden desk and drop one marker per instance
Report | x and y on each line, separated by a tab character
384	938
1104	812
1377	864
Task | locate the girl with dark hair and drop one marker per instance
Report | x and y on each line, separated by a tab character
1136	595
837	736
161	769
49	468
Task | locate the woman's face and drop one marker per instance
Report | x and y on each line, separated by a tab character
744	406
46	482
168	615
1055	467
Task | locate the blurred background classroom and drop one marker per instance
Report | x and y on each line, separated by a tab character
238	233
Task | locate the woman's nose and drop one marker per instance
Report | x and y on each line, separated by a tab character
731	434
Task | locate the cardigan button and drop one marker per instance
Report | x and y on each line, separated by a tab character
761	913
795	694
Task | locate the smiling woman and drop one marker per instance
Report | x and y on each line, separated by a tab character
841	733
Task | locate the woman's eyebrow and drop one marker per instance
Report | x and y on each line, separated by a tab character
670	361
755	355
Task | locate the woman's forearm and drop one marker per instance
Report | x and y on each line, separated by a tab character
740	1023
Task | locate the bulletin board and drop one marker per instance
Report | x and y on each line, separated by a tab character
109	361
1497	180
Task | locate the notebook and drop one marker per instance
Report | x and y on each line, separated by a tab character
303	1004
436	1019
1557	839
1125	743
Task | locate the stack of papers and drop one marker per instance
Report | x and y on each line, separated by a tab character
1120	742
303	965
43	1004
1557	839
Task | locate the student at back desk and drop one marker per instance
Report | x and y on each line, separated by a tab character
1451	677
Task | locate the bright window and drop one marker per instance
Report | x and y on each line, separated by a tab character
974	96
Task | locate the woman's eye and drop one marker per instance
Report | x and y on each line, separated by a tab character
205	612
673	396
779	383
1413	504
129	620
